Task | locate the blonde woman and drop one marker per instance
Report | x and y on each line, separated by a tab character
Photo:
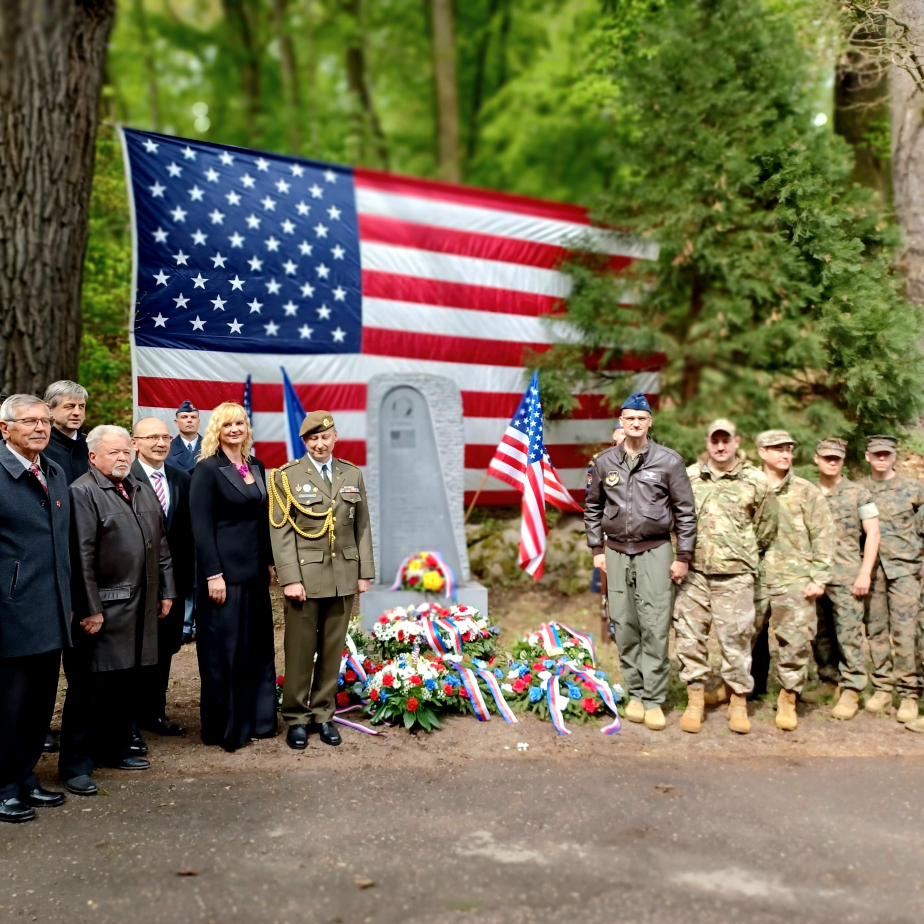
234	639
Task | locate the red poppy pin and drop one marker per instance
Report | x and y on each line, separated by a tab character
58	503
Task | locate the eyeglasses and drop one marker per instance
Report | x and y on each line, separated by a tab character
32	421
156	438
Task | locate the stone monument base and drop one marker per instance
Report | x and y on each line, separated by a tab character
379	598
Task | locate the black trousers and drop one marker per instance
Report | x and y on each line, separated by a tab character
28	686
154	679
98	710
234	646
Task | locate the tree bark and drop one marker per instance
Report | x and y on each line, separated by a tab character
289	67
907	121
150	69
52	62
481	63
236	14
366	119
447	90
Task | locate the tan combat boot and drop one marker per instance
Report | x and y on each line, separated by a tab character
692	718
654	719
847	706
786	711
916	726
908	710
738	714
635	711
879	701
825	688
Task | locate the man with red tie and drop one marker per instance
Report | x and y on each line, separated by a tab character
151	442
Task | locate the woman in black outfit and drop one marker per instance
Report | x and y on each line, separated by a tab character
234	636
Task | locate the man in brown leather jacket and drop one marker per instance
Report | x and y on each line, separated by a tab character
638	494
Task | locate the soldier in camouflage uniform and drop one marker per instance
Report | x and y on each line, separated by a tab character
893	619
840	610
735	521
794	569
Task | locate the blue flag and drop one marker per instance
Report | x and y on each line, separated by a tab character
295	414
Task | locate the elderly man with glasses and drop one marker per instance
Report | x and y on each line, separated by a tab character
36	600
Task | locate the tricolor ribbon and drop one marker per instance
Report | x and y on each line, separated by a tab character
556	702
505	711
470	682
433	637
606	694
586	640
548	632
361	728
352	659
455	636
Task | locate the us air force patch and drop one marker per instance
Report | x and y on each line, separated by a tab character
612	479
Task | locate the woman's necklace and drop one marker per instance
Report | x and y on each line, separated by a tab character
243	468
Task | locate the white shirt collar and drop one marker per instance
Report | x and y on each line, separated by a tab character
149	470
26	464
320	466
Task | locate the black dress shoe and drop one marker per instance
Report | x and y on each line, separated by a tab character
328	733
138	747
81	785
131	763
165	727
15	810
51	742
42	798
297	737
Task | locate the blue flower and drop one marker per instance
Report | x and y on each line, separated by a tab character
498	673
573	691
481	665
535	694
430	683
548	662
383	696
600	674
454	681
524	670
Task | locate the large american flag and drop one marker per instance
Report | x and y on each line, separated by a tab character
522	461
246	263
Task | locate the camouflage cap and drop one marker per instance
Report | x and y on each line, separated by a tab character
769	438
726	426
880	442
832	447
316	422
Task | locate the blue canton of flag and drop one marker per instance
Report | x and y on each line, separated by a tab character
242	253
528	420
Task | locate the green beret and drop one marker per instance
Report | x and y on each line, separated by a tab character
316	422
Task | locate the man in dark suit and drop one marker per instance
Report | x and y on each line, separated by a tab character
184	453
184	449
151	442
67	403
122	583
36	600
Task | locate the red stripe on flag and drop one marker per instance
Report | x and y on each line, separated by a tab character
563	455
469	195
467	243
399	288
504	403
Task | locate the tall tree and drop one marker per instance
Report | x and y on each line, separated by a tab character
290	79
365	117
447	90
52	61
241	16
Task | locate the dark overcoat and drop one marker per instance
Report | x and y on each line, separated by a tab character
121	568
180	457
181	545
71	456
35	571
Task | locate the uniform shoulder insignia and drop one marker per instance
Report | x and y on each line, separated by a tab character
288	464
344	462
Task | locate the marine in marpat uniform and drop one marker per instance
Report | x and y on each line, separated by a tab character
895	601
736	519
840	610
794	569
322	544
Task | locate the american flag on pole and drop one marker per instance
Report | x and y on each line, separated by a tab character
247	262
521	461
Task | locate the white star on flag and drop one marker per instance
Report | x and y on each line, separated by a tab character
322	271
179	214
233	198
273	287
236	240
256	264
219	303
235	326
271	244
182	301
237	283
189	153
302	208
316	191
254	306
268	204
196	194
271	328
330	176
218	260
181	258
226	158
160	235
212	175
217	217
248	181
262	164
290	308
253	222
198	324
320	230
161	278
339	335
305	332
160	321
323	313
198	237
174	170
339	294
150	146
289	267
297	169
288	227
305	248
307	290
157	191
282	186
199	282
337	252
334	213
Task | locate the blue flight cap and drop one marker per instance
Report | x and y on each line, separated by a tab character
618	424
636	402
187	407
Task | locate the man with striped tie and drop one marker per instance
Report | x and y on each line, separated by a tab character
151	442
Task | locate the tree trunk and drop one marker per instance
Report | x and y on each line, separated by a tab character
366	119
248	56
907	122
481	63
289	67
150	69
52	61
447	90
311	78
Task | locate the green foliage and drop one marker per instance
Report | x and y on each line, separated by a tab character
773	297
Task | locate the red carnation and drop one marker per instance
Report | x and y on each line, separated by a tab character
538	667
383	620
463	692
431	561
412	704
373	695
343	699
280	680
527	677
589	704
367	665
466	636
491	660
413	580
350	676
519	685
388	680
485	633
415	681
587	685
447	689
400	635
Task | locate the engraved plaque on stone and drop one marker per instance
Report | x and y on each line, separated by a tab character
414	507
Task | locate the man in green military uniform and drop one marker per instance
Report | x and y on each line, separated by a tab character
840	609
322	544
895	601
736	519
794	569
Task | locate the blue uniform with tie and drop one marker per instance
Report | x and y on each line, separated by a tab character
180	455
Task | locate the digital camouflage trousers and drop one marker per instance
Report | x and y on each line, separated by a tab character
893	628
792	621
